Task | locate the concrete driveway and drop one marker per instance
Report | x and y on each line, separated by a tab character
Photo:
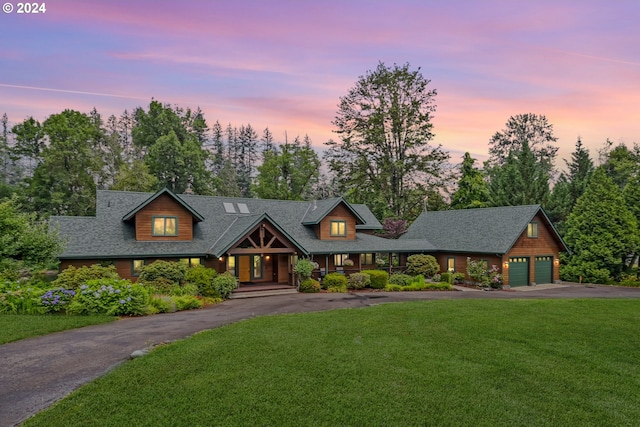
36	372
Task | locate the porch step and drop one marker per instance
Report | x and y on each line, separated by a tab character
265	293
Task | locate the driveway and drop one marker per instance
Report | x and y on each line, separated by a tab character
38	371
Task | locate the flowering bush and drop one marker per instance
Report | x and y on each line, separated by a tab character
485	278
17	299
57	300
358	281
110	296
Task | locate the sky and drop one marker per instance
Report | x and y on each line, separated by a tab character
285	64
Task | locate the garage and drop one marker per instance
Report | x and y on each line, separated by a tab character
543	269
518	271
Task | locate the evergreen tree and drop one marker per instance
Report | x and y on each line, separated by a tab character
289	173
472	191
218	148
601	232
267	142
521	180
570	186
533	129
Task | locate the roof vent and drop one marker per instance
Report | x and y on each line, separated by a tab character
228	208
243	208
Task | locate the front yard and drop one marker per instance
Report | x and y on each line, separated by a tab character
462	362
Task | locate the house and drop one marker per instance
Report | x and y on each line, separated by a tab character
520	240
259	241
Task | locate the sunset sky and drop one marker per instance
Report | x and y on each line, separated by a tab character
285	64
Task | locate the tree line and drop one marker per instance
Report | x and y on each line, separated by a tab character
383	156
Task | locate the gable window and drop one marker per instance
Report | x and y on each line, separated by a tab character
532	229
136	267
165	226
339	259
190	262
339	228
366	259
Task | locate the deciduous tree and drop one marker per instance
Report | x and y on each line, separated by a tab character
383	157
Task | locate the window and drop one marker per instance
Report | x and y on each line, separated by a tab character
257	267
231	264
165	226
191	262
532	229
338	228
339	259
136	267
366	259
451	264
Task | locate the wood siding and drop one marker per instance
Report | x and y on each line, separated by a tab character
543	245
339	213
163	206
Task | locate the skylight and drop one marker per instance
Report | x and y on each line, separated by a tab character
228	208
243	208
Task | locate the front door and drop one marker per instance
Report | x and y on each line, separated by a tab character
244	268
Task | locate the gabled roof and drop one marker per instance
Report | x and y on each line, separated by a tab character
134	211
110	234
240	227
319	209
486	230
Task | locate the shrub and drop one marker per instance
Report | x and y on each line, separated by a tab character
400	279
160	286
422	264
358	281
379	278
169	270
162	304
186	289
73	277
393	288
110	296
334	280
447	277
338	289
202	278
477	271
310	286
186	302
57	300
304	268
418	281
348	262
18	299
224	284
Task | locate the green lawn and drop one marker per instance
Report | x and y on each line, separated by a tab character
451	363
15	327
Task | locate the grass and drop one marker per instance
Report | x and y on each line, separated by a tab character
445	363
15	327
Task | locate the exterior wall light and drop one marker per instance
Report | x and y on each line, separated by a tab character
505	265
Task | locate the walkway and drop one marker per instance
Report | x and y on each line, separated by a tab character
36	372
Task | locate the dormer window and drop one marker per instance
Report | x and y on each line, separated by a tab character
339	228
165	226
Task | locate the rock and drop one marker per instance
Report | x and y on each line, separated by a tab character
139	353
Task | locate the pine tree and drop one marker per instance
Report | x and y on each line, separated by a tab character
601	232
472	191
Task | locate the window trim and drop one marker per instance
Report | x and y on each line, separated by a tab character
533	230
189	261
165	217
451	270
133	269
364	256
338	222
342	258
